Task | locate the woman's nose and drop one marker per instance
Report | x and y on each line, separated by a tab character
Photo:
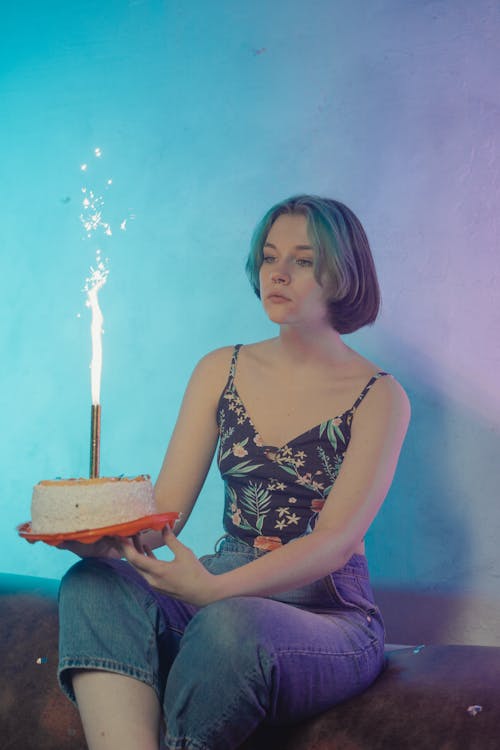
279	276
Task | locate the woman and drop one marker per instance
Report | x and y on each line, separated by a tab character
280	623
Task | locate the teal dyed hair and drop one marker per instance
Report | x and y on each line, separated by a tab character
344	263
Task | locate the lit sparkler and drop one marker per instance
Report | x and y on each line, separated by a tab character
94	283
93	222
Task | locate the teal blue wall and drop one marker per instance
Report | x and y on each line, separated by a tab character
206	113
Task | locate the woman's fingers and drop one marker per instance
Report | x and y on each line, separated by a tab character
184	577
136	541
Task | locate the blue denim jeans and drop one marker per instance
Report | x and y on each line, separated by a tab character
222	670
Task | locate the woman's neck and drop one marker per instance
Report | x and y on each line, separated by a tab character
312	344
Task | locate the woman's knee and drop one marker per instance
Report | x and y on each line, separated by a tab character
235	628
91	585
85	575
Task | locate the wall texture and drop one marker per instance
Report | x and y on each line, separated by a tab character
206	113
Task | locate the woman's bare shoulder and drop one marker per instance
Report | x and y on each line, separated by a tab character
386	397
210	375
216	363
386	393
214	367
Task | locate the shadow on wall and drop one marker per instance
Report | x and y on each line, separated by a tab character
425	617
433	548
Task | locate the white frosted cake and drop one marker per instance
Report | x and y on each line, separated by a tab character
66	505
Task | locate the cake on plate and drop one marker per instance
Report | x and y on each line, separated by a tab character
68	505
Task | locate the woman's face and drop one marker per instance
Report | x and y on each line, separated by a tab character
289	291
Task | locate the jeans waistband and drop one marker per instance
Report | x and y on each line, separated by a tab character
228	543
356	565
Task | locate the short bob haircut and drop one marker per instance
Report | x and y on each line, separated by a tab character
344	264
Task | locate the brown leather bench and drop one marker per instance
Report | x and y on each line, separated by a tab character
422	701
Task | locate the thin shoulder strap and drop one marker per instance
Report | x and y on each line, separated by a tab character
367	387
232	368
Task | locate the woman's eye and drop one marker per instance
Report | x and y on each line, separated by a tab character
305	262
268	259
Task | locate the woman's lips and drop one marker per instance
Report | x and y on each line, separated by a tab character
275	297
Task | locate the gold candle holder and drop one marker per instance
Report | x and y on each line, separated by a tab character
95	440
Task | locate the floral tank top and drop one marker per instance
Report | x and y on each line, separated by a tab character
273	495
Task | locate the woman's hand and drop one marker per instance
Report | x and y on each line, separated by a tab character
108	546
182	578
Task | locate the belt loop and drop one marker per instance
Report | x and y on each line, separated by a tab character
218	542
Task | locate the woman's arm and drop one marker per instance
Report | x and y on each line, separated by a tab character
194	439
378	431
192	444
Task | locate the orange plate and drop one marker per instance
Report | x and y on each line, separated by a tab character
88	536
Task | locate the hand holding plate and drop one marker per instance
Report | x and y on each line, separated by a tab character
184	577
